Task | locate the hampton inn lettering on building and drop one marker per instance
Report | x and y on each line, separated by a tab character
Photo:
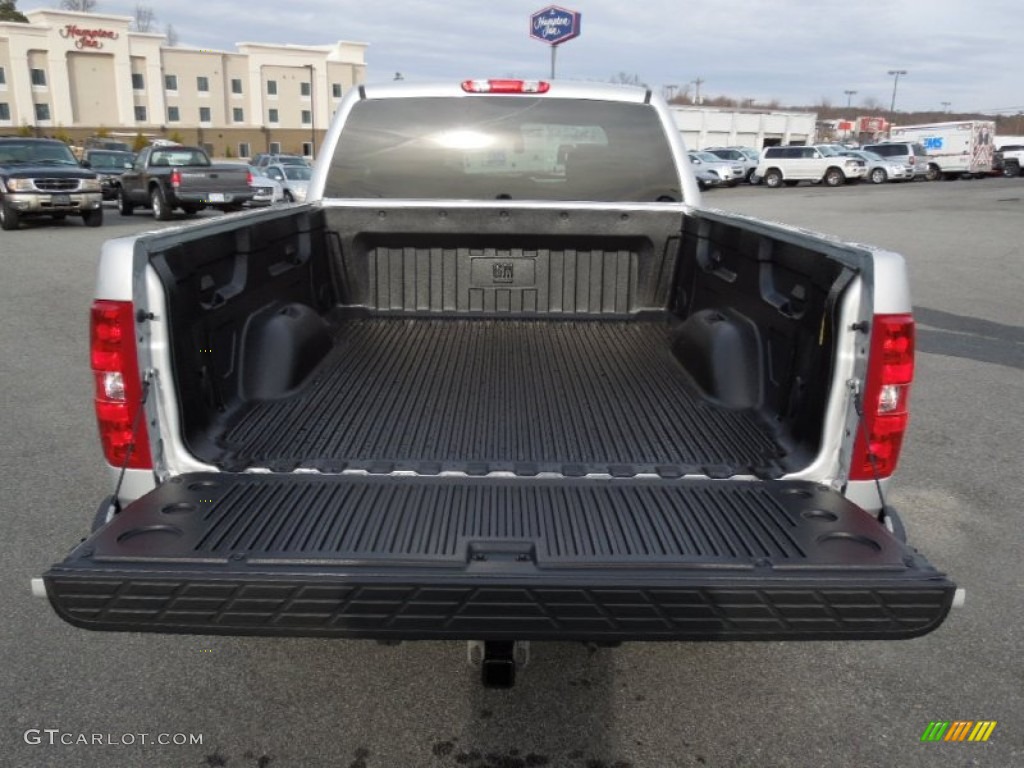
77	74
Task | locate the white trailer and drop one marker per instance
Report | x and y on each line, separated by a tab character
720	127
954	149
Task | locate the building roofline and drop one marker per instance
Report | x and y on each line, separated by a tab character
297	47
77	14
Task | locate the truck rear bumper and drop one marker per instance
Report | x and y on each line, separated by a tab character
442	558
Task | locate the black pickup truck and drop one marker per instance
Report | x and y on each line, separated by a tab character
165	178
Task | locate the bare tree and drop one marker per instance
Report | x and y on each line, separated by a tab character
172	35
871	103
145	18
623	78
82	6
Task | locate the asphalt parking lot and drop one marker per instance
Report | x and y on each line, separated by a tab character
270	702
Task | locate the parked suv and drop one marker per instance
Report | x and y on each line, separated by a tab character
737	156
40	177
910	153
791	165
729	173
110	165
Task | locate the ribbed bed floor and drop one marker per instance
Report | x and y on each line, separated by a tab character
478	395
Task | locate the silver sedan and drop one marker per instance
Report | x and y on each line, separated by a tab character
881	169
294	179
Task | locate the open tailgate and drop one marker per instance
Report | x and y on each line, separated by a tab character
478	558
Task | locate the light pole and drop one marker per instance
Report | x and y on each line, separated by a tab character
895	73
849	97
312	116
945	105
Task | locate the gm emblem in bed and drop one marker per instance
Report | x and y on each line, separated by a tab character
506	272
503	272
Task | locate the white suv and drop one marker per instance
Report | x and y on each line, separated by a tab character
791	165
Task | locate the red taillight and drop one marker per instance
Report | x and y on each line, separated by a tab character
118	395
248	178
175	178
886	396
505	86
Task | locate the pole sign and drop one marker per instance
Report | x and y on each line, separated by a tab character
554	25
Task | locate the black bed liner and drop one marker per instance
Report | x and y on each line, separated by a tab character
483	558
483	395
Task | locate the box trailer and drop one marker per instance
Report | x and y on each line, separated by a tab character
722	127
954	149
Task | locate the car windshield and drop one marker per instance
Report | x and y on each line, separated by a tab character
829	151
872	156
290	161
728	154
105	159
707	157
504	147
298	172
35	152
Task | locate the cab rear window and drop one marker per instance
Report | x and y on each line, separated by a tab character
503	147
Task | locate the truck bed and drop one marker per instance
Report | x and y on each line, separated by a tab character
483	395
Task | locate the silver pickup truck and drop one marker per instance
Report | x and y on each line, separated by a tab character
501	379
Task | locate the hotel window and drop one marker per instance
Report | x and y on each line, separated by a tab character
236	85
336	90
5	112
203	84
3	77
238	115
273	118
307	117
204	114
243	149
138	83
173	115
140	114
39	78
304	88
42	111
275	147
271	87
170	82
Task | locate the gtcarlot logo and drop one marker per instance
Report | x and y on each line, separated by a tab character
57	737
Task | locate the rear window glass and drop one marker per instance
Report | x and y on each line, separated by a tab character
889	150
503	147
189	157
105	159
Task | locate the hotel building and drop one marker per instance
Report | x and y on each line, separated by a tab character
75	75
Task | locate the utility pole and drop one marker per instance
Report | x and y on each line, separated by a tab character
670	92
697	83
849	97
895	73
946	105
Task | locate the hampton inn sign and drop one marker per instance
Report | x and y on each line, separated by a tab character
87	38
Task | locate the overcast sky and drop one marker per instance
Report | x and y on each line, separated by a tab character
968	53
